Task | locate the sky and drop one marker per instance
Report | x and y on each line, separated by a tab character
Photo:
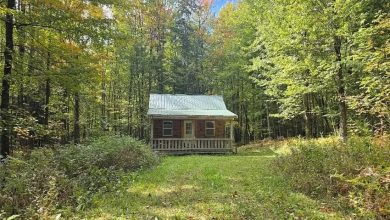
218	4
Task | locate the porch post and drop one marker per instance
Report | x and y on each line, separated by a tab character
231	133
151	133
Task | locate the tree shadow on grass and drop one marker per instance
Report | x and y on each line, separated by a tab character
263	151
175	202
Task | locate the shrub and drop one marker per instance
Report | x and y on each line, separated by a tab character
356	174
48	181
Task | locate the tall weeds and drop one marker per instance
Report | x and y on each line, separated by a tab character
355	175
47	182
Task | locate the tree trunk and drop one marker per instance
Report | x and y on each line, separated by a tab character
326	128
129	107
307	116
76	126
47	102
22	51
5	101
268	121
341	90
103	105
246	125
65	119
47	93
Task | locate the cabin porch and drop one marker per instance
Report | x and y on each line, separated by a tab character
200	145
181	136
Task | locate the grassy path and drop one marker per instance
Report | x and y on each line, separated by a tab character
239	186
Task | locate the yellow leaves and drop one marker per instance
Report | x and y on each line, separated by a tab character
76	8
58	4
93	11
71	47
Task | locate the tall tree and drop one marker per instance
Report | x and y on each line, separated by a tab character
5	93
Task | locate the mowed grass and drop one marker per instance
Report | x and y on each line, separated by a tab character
241	186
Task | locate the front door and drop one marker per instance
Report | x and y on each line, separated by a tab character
188	130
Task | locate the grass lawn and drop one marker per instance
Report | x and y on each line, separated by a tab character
241	186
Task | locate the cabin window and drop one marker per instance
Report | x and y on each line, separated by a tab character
227	132
167	128
210	128
188	128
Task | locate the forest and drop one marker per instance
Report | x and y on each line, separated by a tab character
74	71
78	69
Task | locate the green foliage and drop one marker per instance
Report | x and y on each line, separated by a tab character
356	176
276	64
279	77
233	33
373	45
50	181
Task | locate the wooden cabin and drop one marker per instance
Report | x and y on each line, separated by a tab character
190	124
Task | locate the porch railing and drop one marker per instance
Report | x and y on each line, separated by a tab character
180	144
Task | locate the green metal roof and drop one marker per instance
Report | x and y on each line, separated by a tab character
188	105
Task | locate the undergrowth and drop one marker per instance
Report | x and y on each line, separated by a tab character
48	182
352	177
